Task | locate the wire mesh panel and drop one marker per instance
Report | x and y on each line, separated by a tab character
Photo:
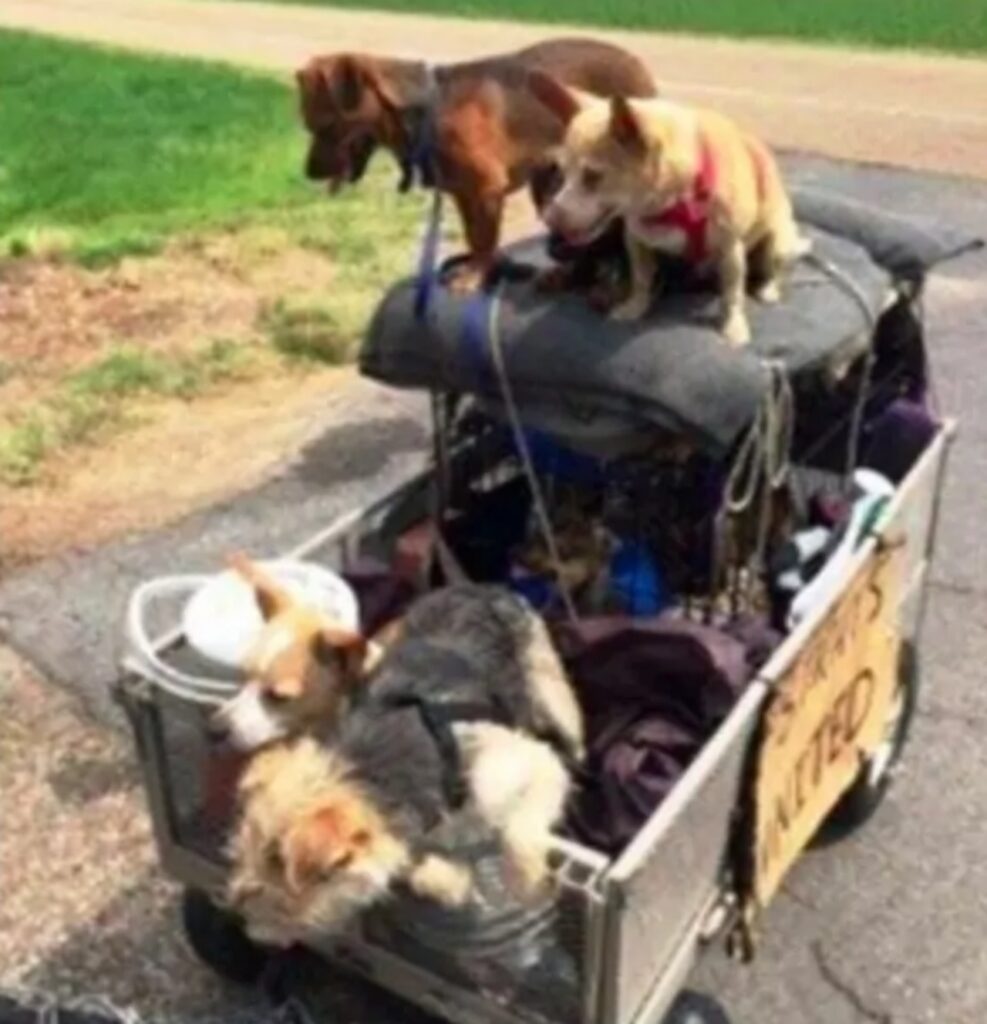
530	960
200	780
525	956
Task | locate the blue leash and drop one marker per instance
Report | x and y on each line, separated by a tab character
421	164
421	167
428	274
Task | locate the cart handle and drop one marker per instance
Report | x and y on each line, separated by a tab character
189	687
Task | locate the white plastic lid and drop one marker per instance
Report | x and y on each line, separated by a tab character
222	621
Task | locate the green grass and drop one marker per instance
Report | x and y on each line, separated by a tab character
93	402
950	25
106	153
306	329
129	371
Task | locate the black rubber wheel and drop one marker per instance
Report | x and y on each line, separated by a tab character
862	799
219	941
696	1008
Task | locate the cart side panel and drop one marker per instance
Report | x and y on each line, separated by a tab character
673	870
914	519
835	676
670	875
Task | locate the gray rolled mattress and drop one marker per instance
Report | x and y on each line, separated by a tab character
568	363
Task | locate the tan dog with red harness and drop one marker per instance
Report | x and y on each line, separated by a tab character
686	181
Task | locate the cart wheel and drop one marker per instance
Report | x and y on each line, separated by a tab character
863	798
219	941
696	1008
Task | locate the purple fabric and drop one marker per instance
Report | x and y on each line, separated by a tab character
653	690
381	595
897	438
759	637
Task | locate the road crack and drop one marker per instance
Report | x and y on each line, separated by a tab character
845	989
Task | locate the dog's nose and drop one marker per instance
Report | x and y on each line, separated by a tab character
217	728
558	221
554	217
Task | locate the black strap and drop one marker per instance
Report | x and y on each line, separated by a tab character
439	717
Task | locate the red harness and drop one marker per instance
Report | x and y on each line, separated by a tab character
690	215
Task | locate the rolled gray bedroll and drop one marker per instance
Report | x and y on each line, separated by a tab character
572	368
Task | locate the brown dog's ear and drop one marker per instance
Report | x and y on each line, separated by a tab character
272	599
331	643
347	83
625	128
340	79
554	96
325	841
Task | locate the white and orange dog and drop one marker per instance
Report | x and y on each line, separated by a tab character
302	671
685	181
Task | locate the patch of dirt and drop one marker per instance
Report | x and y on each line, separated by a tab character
56	317
186	456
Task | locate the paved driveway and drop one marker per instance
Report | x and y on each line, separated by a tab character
889	926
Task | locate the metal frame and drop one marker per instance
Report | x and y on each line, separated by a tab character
708	791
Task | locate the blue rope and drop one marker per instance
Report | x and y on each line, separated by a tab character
475	340
422	164
428	273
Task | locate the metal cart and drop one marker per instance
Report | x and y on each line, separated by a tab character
812	740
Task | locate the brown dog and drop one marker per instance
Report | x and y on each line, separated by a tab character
475	124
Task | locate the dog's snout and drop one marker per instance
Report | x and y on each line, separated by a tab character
218	726
560	222
315	165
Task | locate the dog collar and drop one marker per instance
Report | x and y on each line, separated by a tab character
418	163
690	215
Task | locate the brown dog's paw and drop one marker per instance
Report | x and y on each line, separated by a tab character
464	279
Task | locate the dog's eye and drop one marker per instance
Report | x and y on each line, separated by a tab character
274	860
275	697
341	863
591	179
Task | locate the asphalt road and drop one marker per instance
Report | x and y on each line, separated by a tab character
886	927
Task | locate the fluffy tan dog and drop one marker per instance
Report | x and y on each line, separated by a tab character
686	181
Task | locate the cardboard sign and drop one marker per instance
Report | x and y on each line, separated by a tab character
828	713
